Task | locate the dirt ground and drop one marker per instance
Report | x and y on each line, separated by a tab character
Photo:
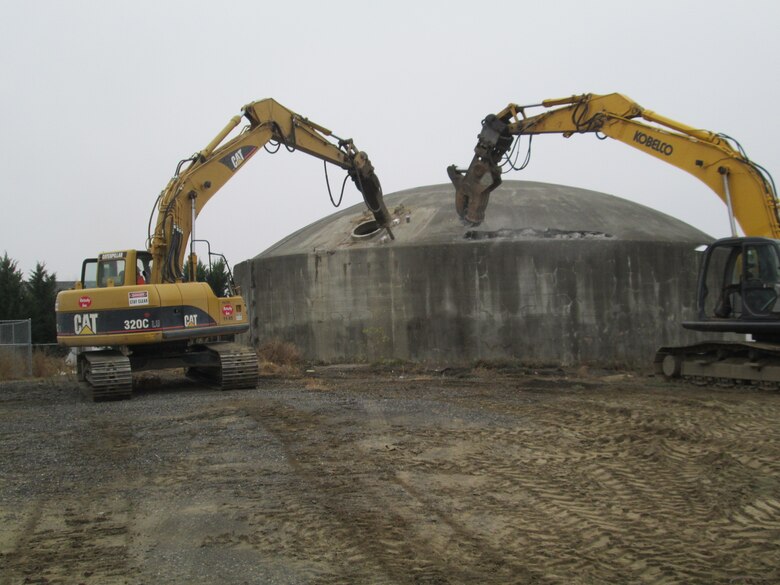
350	475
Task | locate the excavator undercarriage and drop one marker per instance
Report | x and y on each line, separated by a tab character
107	374
722	363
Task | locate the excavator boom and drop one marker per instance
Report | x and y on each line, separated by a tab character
708	156
191	188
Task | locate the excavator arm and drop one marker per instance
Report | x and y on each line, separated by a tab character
191	188
710	157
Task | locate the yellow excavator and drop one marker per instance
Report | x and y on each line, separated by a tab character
739	279
131	310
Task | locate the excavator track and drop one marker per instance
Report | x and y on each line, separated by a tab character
237	367
105	375
722	363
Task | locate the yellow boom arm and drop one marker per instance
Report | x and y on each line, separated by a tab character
708	156
190	189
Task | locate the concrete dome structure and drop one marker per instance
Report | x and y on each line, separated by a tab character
555	274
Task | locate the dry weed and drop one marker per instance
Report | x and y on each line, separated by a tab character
14	365
280	353
314	385
47	366
280	371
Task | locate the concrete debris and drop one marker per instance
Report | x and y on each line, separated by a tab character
535	234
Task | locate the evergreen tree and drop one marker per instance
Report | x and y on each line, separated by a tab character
40	295
11	289
216	275
218	278
200	272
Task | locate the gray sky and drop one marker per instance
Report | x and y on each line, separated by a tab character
100	100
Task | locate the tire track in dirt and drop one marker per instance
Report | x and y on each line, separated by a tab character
69	539
631	520
422	479
72	546
393	532
558	531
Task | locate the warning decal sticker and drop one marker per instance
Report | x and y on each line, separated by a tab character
136	298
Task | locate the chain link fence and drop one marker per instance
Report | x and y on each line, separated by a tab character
15	348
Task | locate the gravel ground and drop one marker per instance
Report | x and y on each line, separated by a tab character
351	475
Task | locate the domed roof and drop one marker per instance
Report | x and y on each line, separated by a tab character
518	210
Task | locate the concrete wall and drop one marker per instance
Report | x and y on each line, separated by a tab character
601	302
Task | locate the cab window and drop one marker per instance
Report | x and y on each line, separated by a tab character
143	269
111	271
763	264
89	273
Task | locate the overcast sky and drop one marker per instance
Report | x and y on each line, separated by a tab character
100	100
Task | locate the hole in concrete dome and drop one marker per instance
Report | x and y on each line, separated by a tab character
366	230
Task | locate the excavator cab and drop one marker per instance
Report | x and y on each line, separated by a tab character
739	287
126	268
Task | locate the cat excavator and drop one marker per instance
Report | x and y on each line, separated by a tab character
132	310
739	278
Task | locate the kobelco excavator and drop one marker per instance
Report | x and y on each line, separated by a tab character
131	309
739	279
